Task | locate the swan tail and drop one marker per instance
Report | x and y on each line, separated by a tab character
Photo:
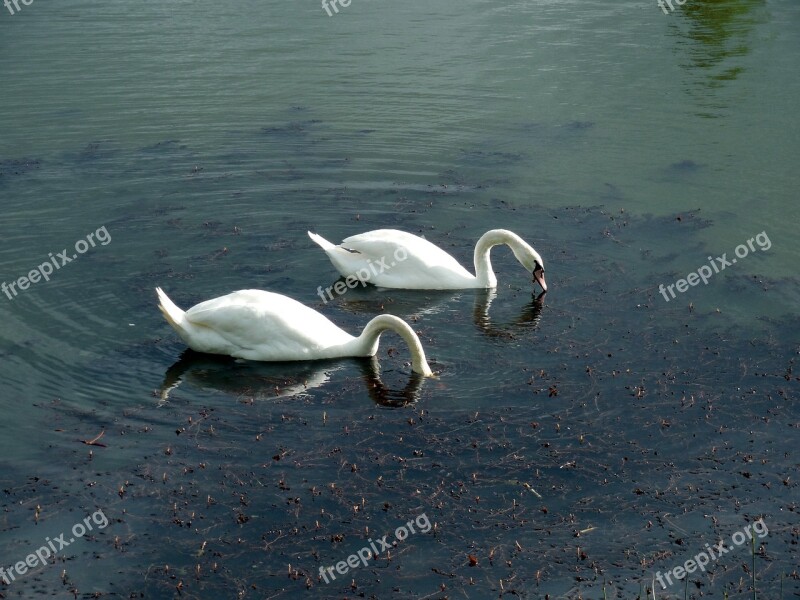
173	314
321	242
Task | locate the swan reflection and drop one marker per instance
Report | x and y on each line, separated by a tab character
385	396
265	381
528	318
413	305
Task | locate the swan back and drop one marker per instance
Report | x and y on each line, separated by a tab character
397	259
261	325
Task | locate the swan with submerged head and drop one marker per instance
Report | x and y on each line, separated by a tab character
265	326
420	265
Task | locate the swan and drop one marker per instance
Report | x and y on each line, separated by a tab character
259	325
420	265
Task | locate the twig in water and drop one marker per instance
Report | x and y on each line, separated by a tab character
94	442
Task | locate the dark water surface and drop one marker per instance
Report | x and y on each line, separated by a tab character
571	446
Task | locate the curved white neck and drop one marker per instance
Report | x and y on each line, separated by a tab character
483	263
367	342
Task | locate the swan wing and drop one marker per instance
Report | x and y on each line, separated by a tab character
260	325
397	259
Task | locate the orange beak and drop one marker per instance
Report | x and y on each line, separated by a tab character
538	277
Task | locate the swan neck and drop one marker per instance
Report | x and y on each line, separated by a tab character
369	338
483	262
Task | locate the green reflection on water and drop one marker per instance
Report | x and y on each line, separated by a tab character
720	31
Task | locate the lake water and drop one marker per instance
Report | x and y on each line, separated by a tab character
573	446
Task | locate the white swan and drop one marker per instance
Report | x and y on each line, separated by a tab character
396	259
259	325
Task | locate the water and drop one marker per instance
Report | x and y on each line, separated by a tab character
589	439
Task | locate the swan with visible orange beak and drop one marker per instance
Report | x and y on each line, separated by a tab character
396	259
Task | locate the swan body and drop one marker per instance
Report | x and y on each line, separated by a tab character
265	326
397	259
